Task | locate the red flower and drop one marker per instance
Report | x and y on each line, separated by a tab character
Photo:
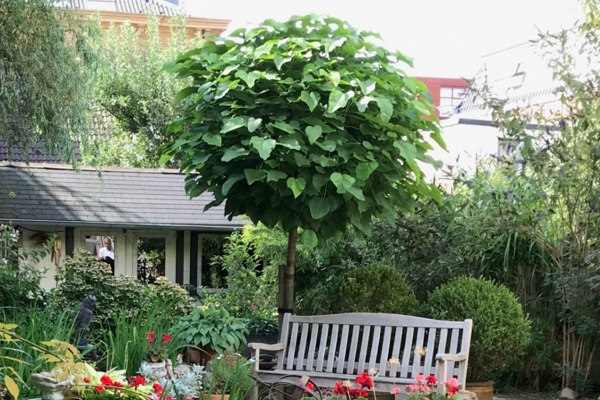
365	380
166	338
340	389
98	388
157	388
136	381
117	384
431	380
86	380
105	380
310	386
150	336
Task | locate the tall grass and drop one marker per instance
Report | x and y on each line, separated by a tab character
36	325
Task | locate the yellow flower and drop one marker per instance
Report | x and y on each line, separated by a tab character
394	362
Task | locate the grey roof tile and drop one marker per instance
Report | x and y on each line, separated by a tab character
124	197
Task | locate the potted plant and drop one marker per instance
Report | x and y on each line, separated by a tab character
261	330
209	331
157	351
229	376
500	329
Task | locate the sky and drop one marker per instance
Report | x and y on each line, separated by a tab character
445	38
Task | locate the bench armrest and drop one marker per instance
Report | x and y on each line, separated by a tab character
257	347
452	357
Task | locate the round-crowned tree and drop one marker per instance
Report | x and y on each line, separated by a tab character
306	123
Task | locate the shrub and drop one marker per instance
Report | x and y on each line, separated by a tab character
83	275
500	329
375	288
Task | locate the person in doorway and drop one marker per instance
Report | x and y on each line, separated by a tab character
107	254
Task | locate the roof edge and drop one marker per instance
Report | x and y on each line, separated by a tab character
23	165
84	224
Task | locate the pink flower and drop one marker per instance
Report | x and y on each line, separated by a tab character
395	390
420	378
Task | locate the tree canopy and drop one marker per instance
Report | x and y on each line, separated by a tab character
47	65
306	124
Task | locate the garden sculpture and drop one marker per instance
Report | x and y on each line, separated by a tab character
50	387
83	321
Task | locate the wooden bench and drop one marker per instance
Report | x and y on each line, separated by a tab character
337	347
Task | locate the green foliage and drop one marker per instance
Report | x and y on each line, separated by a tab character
373	288
230	374
304	124
134	89
83	275
48	61
19	276
500	329
213	327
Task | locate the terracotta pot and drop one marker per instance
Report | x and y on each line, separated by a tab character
206	396
199	356
483	390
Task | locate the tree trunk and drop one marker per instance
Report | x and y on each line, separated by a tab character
286	277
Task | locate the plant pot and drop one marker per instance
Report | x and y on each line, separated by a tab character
153	370
200	355
483	390
206	396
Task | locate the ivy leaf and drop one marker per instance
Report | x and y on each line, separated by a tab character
327	145
356	192
310	98
301	160
297	185
222	90
367	86
363	103
230	182
385	107
212	139
289	142
308	238
319	207
365	169
274	176
313	133
249	78
279	61
233	124
263	146
435	135
253	124
342	182
284	126
254	175
408	151
233	152
338	100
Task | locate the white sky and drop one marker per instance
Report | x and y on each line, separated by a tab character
446	38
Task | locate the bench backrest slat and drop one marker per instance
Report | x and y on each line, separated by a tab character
374	347
322	347
310	358
332	347
342	352
418	352
291	356
284	337
396	352
431	335
353	347
363	348
385	350
407	350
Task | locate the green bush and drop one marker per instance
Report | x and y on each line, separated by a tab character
375	288
83	275
500	329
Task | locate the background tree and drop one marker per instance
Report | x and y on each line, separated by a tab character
303	124
136	95
47	64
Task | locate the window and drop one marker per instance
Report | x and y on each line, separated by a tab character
103	247
150	258
213	274
450	98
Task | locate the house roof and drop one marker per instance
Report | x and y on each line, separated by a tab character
128	198
160	7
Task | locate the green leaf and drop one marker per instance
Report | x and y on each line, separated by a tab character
308	239
212	139
11	386
222	90
185	93
230	182
367	86
408	151
289	142
363	103
274	176
254	175
334	76
319	181
279	61
297	185
365	169
342	181
385	107
327	145
310	98
233	124
249	78
356	192
234	152
313	133
435	135
284	126
253	124
319	207
263	50
263	146
338	100
301	160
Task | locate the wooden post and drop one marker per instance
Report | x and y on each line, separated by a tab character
286	277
